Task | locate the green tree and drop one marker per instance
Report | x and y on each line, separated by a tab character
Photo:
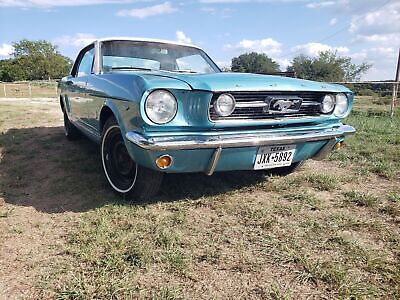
254	63
327	66
34	60
11	71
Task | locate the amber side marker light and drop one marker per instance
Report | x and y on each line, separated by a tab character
339	145
164	161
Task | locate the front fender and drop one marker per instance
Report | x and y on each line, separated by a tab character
118	108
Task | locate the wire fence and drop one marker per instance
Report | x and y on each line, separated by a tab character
28	89
382	92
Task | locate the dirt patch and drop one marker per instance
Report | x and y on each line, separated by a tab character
35	212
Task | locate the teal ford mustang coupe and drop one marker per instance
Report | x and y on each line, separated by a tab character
163	107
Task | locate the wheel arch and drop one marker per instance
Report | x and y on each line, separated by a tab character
110	109
105	113
62	105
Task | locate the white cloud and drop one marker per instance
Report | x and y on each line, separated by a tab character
333	21
320	4
141	13
381	21
283	63
53	3
78	40
224	1
249	1
210	10
182	38
375	26
313	49
268	46
383	60
371	21
6	50
381	27
391	39
224	64
361	7
220	12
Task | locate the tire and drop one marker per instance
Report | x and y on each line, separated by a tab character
70	131
124	175
283	171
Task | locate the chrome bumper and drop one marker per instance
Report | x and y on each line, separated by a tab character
186	142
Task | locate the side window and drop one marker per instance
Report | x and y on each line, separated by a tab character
85	66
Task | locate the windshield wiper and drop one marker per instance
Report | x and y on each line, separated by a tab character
131	68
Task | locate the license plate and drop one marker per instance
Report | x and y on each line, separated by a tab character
274	156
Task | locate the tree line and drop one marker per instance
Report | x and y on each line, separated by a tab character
34	60
38	60
328	66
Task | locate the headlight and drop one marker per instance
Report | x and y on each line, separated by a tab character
328	104
160	106
342	105
224	105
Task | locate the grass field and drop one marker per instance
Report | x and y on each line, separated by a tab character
330	230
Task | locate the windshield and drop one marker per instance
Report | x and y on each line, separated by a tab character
136	55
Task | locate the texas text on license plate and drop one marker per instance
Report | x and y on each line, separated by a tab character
274	156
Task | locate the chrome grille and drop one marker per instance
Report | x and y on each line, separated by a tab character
250	105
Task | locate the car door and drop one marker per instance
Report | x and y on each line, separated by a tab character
78	86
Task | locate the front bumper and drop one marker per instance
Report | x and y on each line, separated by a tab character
186	142
217	141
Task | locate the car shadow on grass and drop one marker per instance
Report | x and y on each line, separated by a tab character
39	167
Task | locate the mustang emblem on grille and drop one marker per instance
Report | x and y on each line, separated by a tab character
283	104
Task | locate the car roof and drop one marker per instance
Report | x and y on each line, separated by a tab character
139	39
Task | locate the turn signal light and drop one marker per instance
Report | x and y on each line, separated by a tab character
164	161
339	145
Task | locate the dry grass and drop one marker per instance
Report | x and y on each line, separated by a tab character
25	89
329	231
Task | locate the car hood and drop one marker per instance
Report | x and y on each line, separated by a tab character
220	82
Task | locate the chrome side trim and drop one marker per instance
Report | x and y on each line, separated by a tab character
325	150
179	142
214	161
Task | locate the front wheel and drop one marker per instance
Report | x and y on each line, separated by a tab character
123	174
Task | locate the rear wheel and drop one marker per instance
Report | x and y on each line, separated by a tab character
70	131
123	174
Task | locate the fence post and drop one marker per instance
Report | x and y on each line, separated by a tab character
4	87
395	87
30	90
394	98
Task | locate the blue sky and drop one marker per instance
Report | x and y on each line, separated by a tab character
366	30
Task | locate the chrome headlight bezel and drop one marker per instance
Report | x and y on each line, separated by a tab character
222	100
342	105
160	106
328	104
